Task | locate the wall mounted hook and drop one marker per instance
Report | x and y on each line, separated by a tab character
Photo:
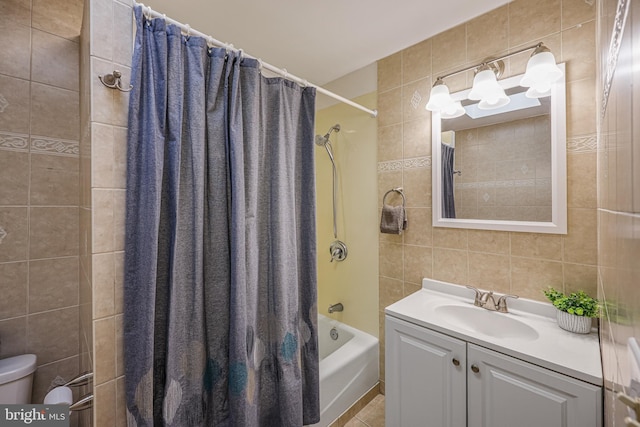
113	81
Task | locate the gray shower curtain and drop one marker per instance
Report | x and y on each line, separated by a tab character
220	276
448	199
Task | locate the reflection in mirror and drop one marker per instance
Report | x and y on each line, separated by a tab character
502	169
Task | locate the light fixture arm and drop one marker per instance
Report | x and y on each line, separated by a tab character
486	62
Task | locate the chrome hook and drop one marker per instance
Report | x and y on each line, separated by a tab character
113	81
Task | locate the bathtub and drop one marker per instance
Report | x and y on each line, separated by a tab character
348	367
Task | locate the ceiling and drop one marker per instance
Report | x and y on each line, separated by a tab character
322	40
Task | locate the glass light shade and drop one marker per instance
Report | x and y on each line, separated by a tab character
535	92
494	102
452	111
484	84
541	71
439	97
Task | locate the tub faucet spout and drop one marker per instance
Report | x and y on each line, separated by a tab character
336	307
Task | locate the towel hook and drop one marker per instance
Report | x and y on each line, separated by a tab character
394	190
113	81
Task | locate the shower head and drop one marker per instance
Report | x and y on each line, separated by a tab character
322	140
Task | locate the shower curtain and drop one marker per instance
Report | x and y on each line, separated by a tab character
448	199
220	276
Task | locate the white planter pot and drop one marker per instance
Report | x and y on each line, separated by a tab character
573	323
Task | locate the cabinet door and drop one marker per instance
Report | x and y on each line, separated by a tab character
507	392
425	377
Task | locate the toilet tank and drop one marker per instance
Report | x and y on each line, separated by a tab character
16	379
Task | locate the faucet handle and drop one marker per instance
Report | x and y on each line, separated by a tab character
478	296
502	302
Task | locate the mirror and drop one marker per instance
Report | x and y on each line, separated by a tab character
502	169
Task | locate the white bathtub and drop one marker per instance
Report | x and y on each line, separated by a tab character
348	367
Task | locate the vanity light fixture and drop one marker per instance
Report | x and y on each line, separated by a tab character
541	72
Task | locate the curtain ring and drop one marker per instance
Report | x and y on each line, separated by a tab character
285	73
188	27
240	55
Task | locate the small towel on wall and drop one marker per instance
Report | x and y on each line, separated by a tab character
394	218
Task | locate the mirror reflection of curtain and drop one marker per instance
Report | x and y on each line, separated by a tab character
448	202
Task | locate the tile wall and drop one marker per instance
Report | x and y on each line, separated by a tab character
618	197
106	45
39	134
519	263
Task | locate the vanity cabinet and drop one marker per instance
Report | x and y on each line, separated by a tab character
434	380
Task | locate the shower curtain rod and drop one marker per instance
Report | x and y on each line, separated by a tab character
280	71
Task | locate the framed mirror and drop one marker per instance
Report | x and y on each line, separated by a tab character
502	169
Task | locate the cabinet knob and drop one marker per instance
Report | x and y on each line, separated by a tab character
475	369
455	362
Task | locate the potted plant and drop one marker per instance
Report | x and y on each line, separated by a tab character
574	312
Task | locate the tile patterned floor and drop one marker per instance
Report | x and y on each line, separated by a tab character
371	415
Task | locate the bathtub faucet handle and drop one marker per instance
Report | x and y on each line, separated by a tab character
336	307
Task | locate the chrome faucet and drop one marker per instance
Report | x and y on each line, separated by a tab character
336	307
487	301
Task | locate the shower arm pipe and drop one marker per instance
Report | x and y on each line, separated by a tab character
280	71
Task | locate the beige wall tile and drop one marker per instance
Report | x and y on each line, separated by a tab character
577	11
410	288
14	223
580	244
102	155
14	97
54	60
105	350
416	62
118	284
416	137
53	232
102	98
419	228
62	17
53	335
487	35
14	290
122	32
54	180
390	143
15	43
489	241
119	207
390	291
450	265
119	325
14	337
581	107
529	21
103	221
119	157
121	403
529	277
54	122
389	74
489	271
449	50
47	294
104	405
390	263
103	266
18	11
531	245
14	175
581	180
417	264
386	182
579	51
390	107
452	238
417	187
414	99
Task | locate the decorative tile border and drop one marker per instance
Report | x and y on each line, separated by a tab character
14	141
60	147
582	144
398	165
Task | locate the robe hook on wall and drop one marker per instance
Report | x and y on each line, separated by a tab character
113	81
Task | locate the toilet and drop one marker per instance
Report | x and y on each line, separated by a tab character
16	379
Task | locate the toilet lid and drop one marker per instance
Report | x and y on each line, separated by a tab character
13	368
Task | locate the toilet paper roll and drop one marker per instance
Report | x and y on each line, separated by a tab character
59	396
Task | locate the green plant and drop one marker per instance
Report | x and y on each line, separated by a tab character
577	303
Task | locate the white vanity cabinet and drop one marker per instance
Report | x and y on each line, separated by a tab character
434	380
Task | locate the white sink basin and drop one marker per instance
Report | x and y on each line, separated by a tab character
491	323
